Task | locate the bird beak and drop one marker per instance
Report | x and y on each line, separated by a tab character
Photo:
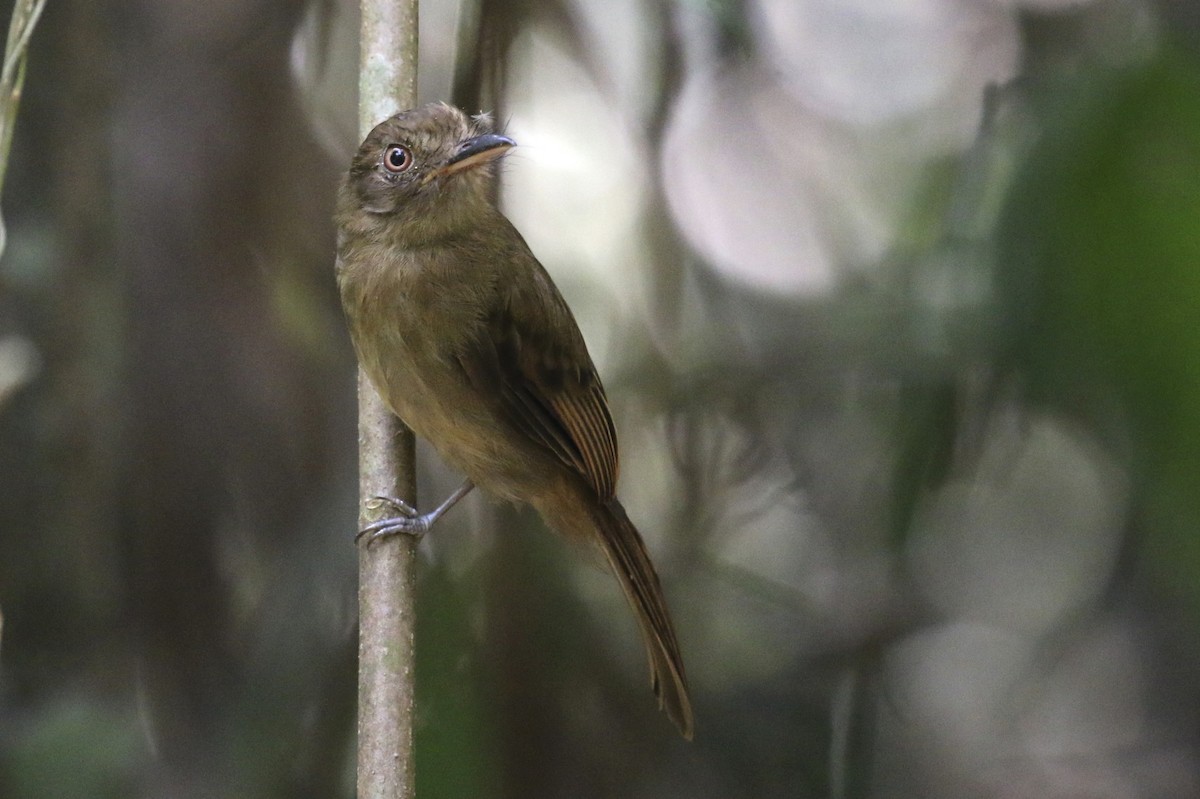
472	153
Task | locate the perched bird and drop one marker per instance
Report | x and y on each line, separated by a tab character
469	342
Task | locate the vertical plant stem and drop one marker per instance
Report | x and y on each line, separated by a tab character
25	16
852	743
386	570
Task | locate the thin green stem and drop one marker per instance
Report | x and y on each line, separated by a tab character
25	16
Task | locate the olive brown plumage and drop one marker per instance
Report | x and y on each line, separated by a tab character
469	342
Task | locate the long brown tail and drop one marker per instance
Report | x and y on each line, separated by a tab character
627	555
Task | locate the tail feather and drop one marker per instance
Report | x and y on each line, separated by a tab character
626	553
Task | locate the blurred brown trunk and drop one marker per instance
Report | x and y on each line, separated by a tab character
226	420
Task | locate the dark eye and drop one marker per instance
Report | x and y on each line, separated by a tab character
397	158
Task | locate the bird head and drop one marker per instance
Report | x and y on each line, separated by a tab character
424	169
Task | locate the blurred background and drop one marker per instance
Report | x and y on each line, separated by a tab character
898	306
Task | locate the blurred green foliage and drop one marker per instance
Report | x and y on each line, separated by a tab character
1102	249
104	753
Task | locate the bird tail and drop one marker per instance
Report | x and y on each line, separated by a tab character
626	553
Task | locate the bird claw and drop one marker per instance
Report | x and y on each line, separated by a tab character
406	520
394	504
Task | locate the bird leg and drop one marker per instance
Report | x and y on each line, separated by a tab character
406	519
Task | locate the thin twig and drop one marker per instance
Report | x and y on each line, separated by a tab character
25	16
386	570
24	19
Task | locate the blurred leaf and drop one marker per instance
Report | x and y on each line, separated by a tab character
74	750
1103	243
455	753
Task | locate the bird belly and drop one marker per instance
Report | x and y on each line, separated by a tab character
465	427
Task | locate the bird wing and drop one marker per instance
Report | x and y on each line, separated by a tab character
530	352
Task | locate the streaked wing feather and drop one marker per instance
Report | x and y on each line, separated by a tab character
531	355
542	425
584	413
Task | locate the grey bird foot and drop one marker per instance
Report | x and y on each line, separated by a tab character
405	520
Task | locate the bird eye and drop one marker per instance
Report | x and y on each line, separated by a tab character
397	158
